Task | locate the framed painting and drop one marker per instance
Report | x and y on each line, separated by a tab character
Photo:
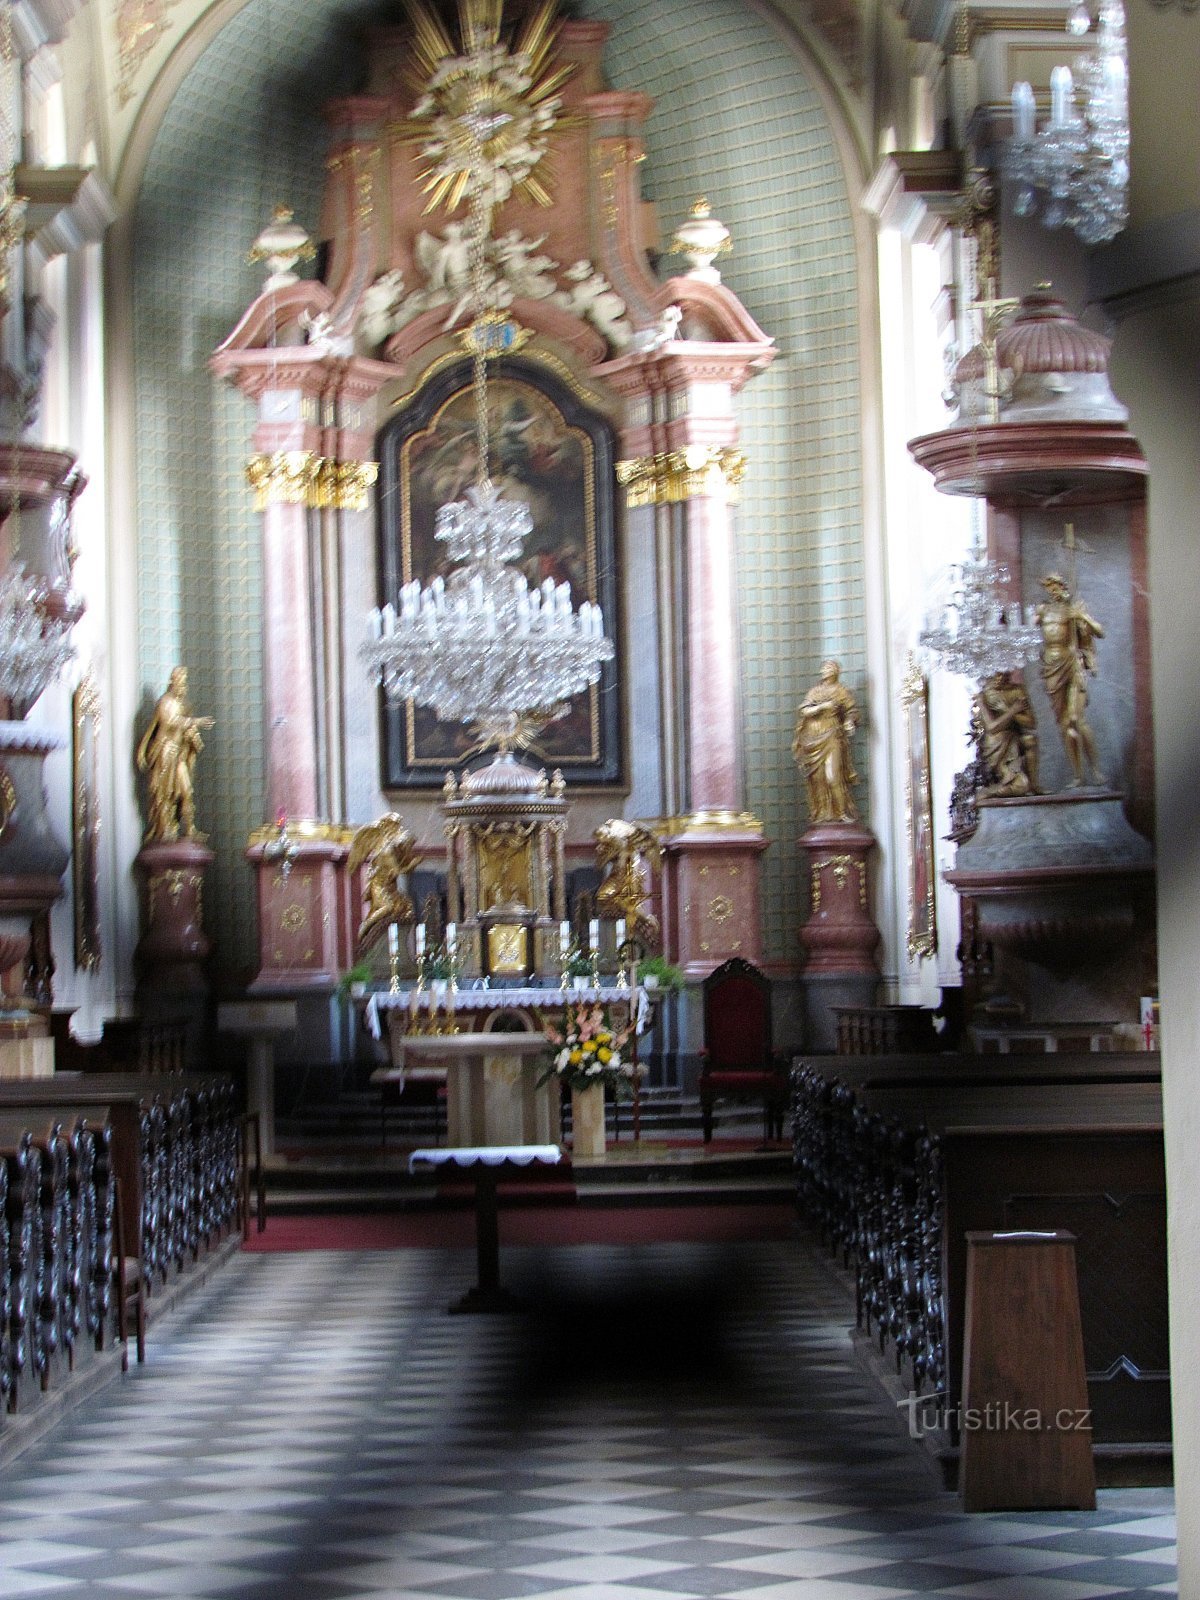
551	451
922	883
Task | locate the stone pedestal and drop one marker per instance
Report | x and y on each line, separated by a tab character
711	899
305	917
174	945
261	1022
840	937
587	1122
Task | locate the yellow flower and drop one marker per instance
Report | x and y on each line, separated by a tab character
576	1056
605	1054
604	1038
589	1048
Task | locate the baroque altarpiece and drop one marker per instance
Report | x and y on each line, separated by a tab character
615	398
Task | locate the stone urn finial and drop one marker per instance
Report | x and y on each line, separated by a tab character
701	239
282	244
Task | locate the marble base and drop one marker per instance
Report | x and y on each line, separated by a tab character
711	897
26	1058
174	945
305	937
840	938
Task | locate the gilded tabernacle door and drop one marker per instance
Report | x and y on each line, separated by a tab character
556	455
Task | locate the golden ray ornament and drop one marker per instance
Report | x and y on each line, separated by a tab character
487	109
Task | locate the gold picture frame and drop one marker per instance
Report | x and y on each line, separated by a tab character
85	822
918	809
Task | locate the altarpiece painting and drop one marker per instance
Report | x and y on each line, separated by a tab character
555	454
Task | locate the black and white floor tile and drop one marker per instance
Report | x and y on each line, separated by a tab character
662	1421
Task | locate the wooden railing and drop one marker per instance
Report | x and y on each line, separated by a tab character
872	1190
168	1149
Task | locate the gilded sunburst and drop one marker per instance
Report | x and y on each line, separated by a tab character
488	105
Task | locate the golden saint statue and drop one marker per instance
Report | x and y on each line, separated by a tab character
1006	732
1069	637
825	721
167	755
387	849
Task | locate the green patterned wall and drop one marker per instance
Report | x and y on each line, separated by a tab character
735	119
242	134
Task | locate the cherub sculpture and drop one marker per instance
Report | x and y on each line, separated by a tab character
387	849
630	852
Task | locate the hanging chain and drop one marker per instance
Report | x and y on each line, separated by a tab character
479	232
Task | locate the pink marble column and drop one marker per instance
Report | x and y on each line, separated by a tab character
714	725
682	434
315	408
289	687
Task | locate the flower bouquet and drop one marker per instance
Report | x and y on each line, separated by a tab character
588	1049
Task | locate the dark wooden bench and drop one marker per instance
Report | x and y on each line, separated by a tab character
59	1211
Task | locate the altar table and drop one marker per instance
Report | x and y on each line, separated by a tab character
492	1092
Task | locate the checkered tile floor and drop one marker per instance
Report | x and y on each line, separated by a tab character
662	1421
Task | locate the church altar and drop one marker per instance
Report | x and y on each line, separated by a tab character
492	1093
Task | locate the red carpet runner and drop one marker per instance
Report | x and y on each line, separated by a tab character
542	1225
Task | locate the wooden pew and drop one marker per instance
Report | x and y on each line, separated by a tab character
176	1153
59	1242
897	1167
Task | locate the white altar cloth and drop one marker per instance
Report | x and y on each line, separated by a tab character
548	1000
522	1155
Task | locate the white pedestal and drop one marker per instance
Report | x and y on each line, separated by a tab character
587	1121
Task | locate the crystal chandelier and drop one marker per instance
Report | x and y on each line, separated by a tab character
480	646
1081	158
36	618
973	635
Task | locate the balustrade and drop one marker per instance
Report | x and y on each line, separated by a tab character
872	1190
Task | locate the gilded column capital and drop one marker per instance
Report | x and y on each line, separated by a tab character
304	478
671	476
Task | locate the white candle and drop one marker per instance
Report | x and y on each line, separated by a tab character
393	941
564	937
1060	97
1024	112
620	932
594	934
451	938
420	939
1115	84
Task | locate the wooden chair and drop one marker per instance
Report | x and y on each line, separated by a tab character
739	1063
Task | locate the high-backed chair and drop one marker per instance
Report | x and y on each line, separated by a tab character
739	1063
